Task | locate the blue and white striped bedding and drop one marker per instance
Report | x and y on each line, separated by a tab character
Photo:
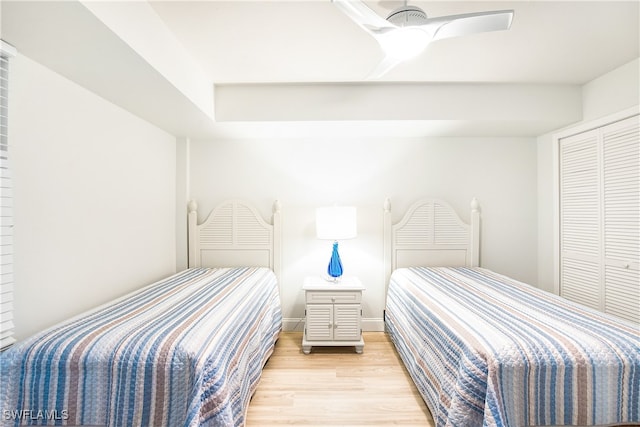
486	350
185	351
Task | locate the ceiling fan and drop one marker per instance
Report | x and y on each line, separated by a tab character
407	31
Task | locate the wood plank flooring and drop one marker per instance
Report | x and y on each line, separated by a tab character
334	386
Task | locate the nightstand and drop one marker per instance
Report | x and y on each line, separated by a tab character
333	313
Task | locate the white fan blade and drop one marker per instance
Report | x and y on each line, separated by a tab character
383	67
444	27
362	15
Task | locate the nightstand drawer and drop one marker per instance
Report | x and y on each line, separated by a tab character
333	297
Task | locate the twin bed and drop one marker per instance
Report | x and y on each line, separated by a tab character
487	350
482	349
185	351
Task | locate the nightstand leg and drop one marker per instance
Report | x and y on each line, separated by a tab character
359	349
306	349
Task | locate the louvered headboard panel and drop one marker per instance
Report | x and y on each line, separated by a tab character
234	235
431	234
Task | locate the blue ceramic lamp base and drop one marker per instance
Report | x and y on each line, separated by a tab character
334	269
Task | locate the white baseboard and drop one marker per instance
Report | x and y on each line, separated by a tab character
293	324
371	324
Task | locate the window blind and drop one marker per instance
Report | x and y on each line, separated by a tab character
6	206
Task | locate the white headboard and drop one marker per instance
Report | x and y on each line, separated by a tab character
235	235
431	234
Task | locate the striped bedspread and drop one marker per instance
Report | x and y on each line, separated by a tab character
185	351
486	350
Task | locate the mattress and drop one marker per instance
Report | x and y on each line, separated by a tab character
185	351
487	350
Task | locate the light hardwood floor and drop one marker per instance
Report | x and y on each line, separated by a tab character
335	386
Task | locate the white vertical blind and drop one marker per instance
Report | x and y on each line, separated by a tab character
6	206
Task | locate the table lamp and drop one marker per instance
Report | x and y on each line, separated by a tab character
336	223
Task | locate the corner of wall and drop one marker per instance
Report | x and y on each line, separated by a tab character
614	91
183	194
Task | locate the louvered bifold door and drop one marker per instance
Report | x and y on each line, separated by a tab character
621	201
6	216
580	277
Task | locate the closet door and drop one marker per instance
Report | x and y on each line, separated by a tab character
580	276
621	218
600	218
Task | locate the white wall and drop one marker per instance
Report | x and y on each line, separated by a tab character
305	174
94	198
545	208
608	94
612	92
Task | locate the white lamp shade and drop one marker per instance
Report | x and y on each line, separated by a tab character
336	223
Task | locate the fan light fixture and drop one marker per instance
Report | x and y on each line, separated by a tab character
408	31
405	43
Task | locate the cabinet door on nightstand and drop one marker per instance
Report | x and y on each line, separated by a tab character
347	322
319	322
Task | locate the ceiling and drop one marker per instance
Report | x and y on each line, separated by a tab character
297	68
312	41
